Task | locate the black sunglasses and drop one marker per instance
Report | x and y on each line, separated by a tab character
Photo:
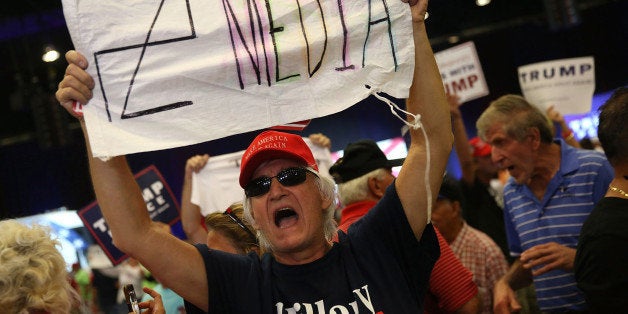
240	223
287	177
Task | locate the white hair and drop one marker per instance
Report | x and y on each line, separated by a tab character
33	273
357	189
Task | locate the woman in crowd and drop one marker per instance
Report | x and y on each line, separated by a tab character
33	275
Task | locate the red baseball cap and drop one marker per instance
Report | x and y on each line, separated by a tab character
480	148
270	145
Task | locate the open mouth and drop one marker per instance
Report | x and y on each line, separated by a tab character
285	218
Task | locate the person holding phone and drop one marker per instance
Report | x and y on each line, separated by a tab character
154	306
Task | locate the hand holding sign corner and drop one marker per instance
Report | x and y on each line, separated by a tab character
76	87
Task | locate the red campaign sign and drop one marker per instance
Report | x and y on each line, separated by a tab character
160	204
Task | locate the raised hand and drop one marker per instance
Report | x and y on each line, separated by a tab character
419	9
320	139
76	87
196	163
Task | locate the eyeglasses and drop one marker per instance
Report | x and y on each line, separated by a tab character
287	177
239	222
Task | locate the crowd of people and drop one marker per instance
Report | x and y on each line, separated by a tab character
535	223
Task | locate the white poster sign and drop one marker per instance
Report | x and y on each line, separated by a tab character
567	84
180	72
461	72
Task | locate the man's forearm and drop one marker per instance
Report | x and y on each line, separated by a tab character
119	198
518	277
427	95
189	219
427	98
462	150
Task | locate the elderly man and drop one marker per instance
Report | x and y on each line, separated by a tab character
552	189
291	208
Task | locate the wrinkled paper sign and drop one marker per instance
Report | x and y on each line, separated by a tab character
566	84
174	73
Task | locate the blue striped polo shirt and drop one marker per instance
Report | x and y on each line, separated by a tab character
581	181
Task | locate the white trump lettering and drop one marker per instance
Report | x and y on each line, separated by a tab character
362	295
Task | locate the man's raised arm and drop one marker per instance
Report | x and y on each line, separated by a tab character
427	98
124	209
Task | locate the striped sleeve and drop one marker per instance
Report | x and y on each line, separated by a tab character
451	283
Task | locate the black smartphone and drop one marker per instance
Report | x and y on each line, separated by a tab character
131	299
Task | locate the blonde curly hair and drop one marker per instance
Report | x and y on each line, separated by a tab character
33	273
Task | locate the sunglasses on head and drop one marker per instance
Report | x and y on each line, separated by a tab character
239	222
287	177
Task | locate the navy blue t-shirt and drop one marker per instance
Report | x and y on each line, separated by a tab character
377	267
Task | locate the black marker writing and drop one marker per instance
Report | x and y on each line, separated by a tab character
375	22
345	36
256	31
252	30
143	46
